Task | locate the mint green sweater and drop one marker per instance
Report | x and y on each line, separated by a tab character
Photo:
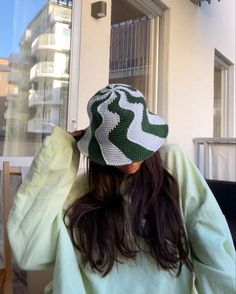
39	238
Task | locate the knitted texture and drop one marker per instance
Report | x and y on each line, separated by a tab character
121	129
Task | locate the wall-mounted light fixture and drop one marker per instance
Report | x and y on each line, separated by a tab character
99	9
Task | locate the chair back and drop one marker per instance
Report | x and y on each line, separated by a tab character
6	273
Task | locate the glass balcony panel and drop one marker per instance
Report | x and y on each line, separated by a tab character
52	97
39	126
50	42
48	69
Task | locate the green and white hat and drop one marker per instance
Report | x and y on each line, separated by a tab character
121	129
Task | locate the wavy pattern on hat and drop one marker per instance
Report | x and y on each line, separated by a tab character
96	137
121	129
121	138
142	129
85	145
140	137
95	121
103	131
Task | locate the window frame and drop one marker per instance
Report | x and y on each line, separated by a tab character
227	121
73	97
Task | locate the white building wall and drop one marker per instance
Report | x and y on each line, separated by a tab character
62	36
60	64
193	33
94	57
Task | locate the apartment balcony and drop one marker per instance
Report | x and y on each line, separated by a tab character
25	60
14	77
39	126
48	69
18	79
127	67
63	16
24	83
12	114
46	42
40	97
13	59
26	37
12	96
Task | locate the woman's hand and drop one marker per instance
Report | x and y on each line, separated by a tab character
78	134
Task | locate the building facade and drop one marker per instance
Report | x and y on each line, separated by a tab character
41	73
8	92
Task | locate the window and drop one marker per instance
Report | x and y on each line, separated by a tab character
135	46
66	32
223	97
38	74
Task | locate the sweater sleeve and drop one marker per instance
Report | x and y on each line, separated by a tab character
213	253
35	217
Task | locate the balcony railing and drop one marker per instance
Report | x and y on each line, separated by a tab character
48	69
12	114
39	125
40	97
12	96
130	50
216	157
14	77
60	16
13	59
25	59
50	42
126	68
199	2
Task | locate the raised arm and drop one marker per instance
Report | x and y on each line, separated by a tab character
35	218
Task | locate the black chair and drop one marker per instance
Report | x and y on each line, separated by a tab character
225	194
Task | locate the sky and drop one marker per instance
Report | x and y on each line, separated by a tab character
15	15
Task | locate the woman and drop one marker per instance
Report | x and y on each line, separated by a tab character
141	220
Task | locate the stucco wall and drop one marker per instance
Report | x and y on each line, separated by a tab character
94	57
195	33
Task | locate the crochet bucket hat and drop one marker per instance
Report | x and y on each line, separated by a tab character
121	129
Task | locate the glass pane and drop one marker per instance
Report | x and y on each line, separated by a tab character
220	100
34	72
133	49
217	102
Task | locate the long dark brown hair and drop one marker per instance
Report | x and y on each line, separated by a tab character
106	226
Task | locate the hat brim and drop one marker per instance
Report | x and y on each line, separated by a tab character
134	146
